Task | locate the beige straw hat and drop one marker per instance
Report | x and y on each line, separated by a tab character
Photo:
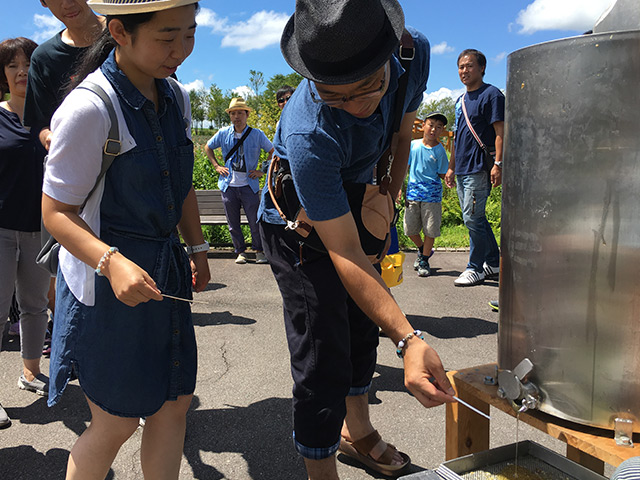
238	103
126	7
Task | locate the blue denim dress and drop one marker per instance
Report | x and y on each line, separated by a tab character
130	360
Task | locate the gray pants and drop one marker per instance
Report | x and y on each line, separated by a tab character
18	270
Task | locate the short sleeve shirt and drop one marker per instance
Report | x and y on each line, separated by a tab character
425	166
326	147
485	106
52	66
244	159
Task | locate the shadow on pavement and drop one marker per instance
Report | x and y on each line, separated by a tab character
211	286
260	433
219	318
72	410
453	327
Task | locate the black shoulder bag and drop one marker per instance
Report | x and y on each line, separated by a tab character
372	207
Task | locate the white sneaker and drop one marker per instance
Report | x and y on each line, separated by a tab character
5	421
491	272
261	258
241	259
468	278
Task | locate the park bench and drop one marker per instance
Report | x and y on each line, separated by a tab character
212	209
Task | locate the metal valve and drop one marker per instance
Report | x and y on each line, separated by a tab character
512	385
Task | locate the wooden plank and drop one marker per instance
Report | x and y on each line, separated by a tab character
586	460
466	431
596	442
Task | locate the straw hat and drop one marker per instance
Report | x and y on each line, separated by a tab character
337	42
238	103
126	7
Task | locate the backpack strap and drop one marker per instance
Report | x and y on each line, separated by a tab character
112	145
177	91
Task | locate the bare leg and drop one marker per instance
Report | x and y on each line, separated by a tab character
428	245
324	469
31	368
357	425
92	455
163	440
417	239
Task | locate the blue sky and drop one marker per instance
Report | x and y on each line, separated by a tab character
233	38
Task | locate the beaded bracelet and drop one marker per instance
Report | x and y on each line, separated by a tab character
105	258
403	343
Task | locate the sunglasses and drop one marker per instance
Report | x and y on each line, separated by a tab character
284	99
353	98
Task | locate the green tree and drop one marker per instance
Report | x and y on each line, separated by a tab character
197	98
217	103
446	106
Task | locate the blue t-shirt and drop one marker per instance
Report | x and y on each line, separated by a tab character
326	147
425	166
244	158
485	106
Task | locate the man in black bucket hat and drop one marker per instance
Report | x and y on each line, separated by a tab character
334	130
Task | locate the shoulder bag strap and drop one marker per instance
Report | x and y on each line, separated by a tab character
466	117
112	146
406	53
237	145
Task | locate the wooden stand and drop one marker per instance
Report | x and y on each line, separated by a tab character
467	432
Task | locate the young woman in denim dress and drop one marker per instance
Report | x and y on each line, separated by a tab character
133	350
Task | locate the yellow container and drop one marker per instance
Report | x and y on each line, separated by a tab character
392	269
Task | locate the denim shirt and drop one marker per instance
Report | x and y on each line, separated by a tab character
255	141
153	178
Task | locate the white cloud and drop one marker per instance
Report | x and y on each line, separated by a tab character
261	30
441	48
442	93
578	15
243	91
48	26
195	85
499	57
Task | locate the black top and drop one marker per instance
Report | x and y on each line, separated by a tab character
21	170
52	65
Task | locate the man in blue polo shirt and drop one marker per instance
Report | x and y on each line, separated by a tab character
334	130
475	172
240	174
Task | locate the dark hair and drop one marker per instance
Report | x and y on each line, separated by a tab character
8	50
482	60
283	90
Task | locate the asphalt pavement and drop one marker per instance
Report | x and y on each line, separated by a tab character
239	425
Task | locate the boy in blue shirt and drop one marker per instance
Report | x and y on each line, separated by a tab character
428	164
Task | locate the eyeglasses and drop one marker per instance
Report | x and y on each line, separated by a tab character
353	98
283	99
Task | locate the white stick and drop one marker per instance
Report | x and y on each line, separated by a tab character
184	299
473	408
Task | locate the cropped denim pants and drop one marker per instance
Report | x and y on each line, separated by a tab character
473	191
19	271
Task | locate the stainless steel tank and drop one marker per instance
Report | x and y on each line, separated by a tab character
570	279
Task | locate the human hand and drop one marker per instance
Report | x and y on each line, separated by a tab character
255	173
424	374
450	178
130	283
223	171
200	271
45	138
496	176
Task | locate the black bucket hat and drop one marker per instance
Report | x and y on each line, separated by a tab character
339	42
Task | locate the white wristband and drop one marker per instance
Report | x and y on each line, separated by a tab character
203	247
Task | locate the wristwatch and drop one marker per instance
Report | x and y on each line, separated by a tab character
203	247
498	164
